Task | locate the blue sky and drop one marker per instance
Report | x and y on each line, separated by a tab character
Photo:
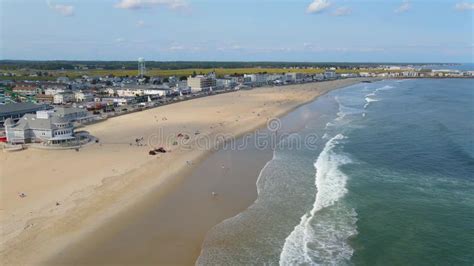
238	30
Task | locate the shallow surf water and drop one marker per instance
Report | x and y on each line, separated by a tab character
389	181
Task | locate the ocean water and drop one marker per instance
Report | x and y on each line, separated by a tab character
389	181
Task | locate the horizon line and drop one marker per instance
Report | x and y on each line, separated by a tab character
229	61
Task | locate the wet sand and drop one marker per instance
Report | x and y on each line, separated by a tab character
169	229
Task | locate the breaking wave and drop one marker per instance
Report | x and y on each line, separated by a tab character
321	237
369	97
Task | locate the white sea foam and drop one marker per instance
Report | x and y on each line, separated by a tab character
261	178
384	88
369	97
340	113
345	110
328	125
370	100
321	237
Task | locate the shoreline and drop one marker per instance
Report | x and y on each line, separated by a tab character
118	193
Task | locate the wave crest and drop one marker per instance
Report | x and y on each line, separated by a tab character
321	237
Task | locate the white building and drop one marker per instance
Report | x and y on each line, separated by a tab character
81	96
330	74
53	91
318	77
120	101
411	74
182	85
348	75
129	92
73	114
200	82
44	126
256	79
225	83
63	97
163	91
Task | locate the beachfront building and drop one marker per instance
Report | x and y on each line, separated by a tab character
201	83
117	101
129	92
73	114
352	75
256	79
276	79
330	74
225	83
293	77
410	74
42	127
318	77
15	111
160	91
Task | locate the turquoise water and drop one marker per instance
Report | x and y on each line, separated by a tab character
390	181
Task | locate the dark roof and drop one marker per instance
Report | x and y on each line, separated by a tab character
10	108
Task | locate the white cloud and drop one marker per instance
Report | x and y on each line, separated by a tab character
404	7
176	48
342	11
309	47
318	6
140	4
230	47
464	6
63	10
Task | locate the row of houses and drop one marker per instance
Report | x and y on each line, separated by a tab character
420	74
65	91
287	78
207	82
87	89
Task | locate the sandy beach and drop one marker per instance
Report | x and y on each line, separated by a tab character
71	194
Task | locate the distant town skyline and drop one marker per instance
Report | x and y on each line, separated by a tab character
246	30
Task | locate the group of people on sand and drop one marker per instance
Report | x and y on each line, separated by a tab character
139	141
